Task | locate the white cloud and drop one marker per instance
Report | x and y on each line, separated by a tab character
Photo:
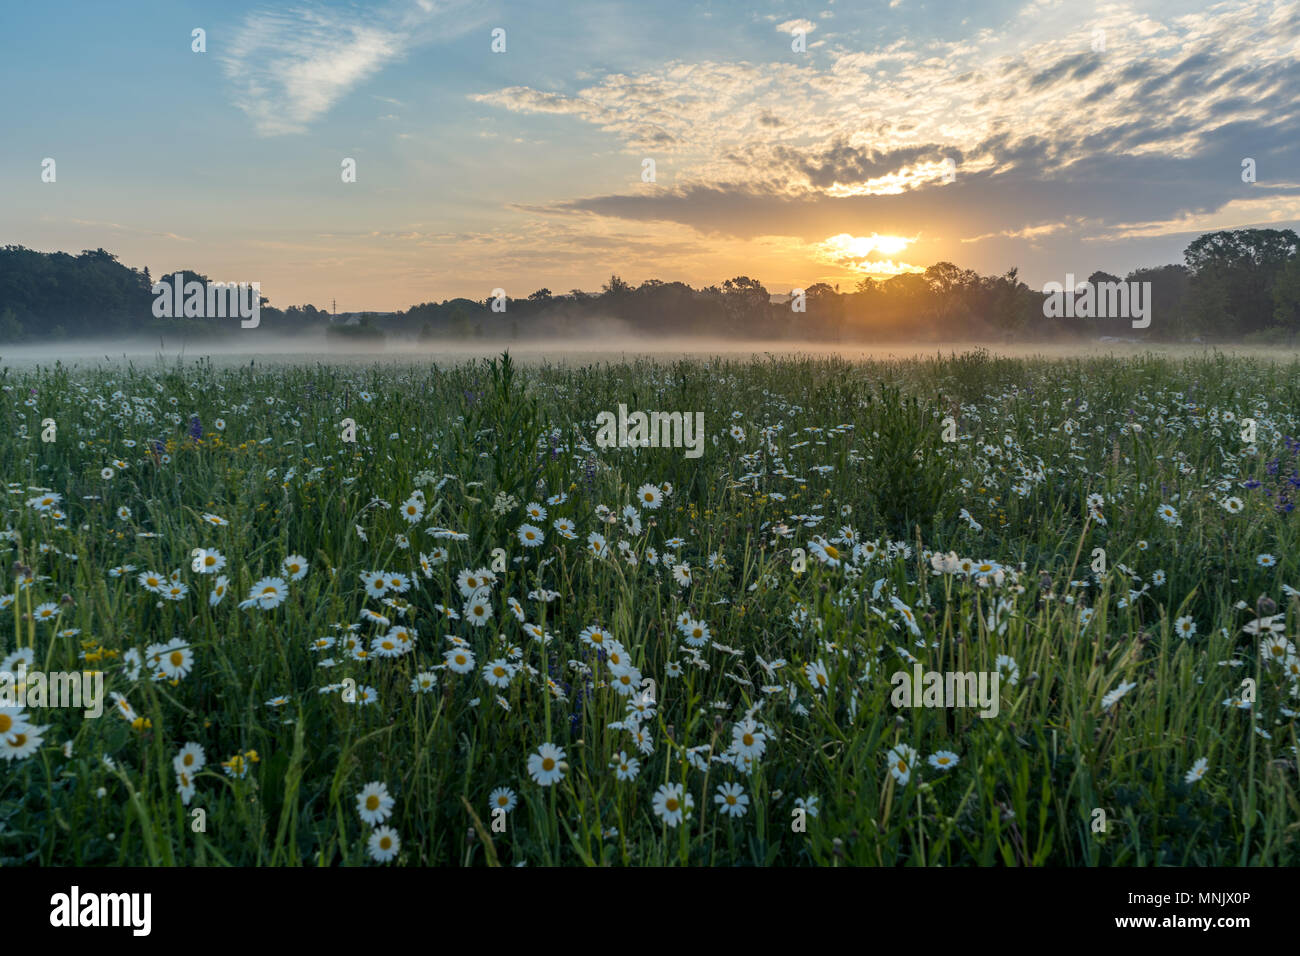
794	26
287	69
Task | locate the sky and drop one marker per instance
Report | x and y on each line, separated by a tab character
791	142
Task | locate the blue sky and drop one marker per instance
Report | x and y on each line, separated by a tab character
523	169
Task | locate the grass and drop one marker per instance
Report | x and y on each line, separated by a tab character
831	452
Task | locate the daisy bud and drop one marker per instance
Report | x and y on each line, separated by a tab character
1265	605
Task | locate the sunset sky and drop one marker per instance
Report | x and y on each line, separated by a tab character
523	169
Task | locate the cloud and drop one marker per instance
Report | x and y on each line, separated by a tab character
1049	137
796	26
287	69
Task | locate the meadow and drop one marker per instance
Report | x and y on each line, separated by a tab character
471	636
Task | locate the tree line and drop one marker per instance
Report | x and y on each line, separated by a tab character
1233	285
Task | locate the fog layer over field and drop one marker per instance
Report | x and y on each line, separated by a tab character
264	349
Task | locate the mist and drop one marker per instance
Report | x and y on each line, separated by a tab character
264	349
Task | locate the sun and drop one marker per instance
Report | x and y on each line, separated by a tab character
867	255
862	247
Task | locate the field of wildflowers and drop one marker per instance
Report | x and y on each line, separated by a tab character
470	636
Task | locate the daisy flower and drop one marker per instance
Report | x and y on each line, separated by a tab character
412	509
748	740
375	583
817	676
208	561
545	766
498	672
424	682
459	659
267	594
189	759
625	767
21	742
650	496
374	805
185	786
1197	771
943	760
731	797
477	610
384	844
826	553
176	661
808	805
901	760
502	798
695	632
669	804
152	581
46	612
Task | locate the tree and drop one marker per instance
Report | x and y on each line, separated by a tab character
746	304
11	330
1234	272
1286	295
615	287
